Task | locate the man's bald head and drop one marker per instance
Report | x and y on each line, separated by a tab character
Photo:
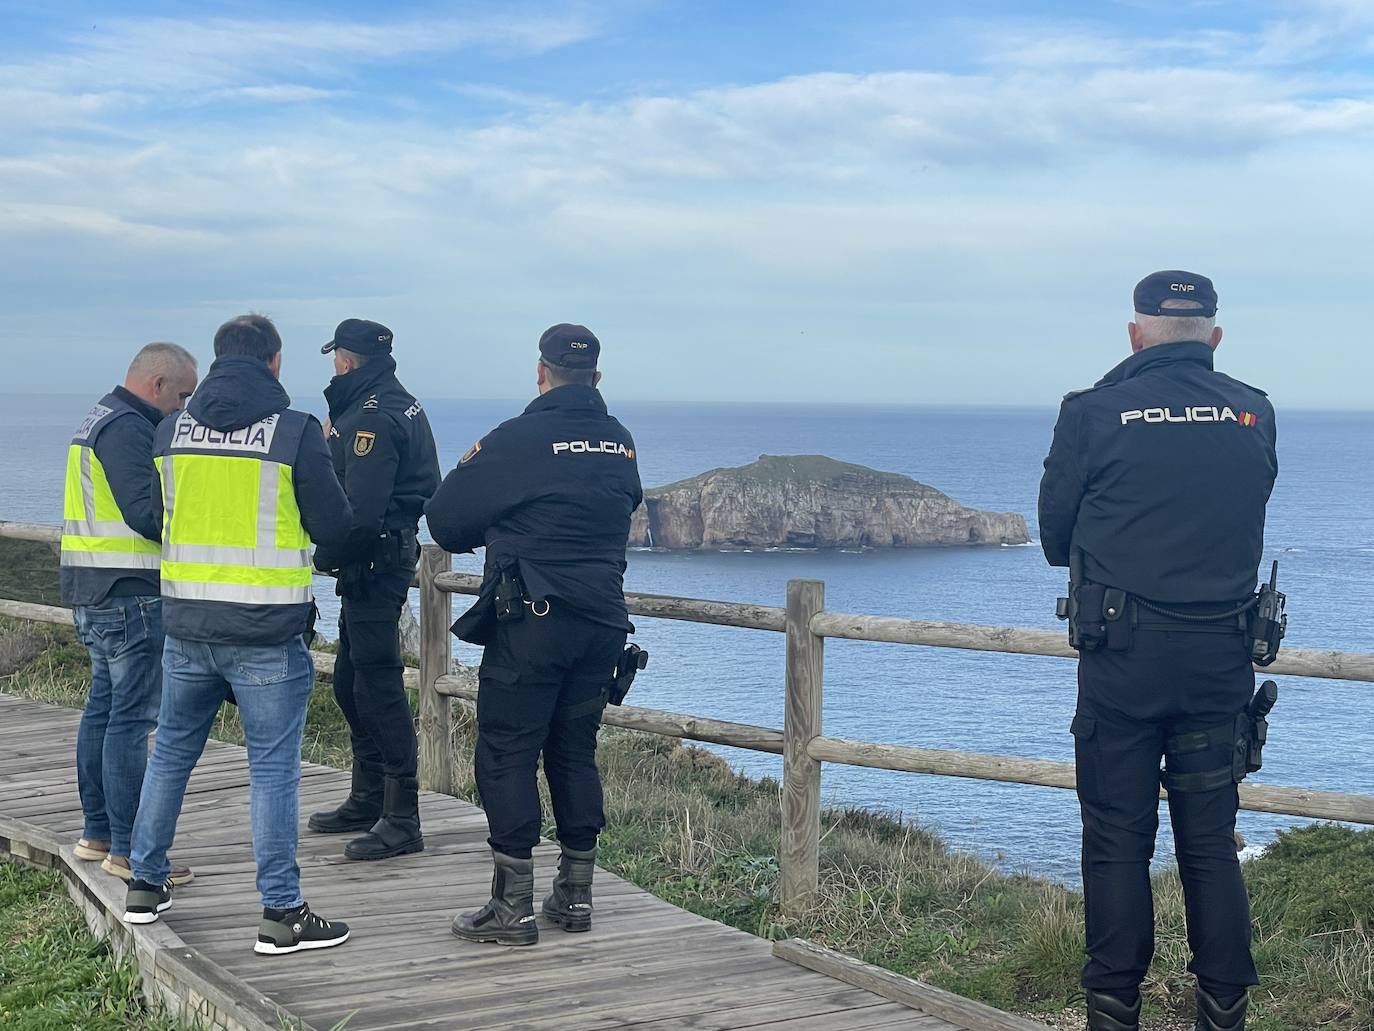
164	375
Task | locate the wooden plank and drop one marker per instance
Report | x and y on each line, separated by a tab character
35	613
436	716
655	721
909	992
799	853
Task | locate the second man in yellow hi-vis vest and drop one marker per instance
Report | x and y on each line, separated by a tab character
247	484
111	533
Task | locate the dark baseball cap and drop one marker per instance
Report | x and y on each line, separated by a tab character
1158	287
569	346
360	337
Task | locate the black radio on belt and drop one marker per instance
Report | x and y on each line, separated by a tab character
510	596
1268	621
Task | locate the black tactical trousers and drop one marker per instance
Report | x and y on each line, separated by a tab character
368	675
534	671
1129	703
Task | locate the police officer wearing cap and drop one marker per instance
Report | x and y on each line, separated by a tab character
385	457
1154	495
549	493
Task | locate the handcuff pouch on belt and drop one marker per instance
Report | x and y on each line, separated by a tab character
1098	616
1245	735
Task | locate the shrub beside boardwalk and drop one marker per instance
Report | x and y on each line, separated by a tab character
686	827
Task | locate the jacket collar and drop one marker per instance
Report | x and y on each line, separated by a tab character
1159	355
346	390
571	396
142	407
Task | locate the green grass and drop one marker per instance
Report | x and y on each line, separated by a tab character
686	827
54	976
30	571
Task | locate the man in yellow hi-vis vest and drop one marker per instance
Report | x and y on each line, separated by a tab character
111	533
247	484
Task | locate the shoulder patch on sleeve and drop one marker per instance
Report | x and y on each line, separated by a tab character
363	441
470	453
370	404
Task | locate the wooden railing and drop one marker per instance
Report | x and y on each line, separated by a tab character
806	624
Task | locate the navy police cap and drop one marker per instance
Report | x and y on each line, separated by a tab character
360	337
1197	295
569	347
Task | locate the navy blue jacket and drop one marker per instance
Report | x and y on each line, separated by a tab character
1161	473
124	446
384	455
238	392
551	490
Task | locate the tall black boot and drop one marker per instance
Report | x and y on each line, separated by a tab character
360	810
569	905
508	919
397	833
1212	1016
1108	1013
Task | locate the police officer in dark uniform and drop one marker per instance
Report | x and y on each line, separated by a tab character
385	457
1154	494
549	493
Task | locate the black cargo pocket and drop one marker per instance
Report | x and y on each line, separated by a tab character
1087	764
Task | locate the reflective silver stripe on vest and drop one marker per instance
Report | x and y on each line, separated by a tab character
241	594
169	490
267	509
227	555
87	485
110	559
101	528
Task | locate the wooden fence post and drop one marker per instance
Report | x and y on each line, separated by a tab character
436	720
801	775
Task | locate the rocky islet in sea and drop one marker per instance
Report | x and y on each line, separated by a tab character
811	501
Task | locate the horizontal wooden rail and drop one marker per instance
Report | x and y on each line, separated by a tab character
652	721
661	606
1010	769
35	613
1292	662
31	532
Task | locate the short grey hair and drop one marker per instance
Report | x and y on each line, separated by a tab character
160	359
1170	329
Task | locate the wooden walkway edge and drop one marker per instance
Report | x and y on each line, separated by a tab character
646	964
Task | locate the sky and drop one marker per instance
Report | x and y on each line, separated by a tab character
928	203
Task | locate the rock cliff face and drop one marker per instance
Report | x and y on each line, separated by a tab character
810	501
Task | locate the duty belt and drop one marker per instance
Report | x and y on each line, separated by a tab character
1145	615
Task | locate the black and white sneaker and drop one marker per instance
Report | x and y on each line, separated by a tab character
290	930
146	902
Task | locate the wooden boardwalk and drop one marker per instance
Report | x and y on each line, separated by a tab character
646	964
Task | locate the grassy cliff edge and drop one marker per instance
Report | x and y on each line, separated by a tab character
688	828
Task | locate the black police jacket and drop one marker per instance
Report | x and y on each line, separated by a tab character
1160	473
551	491
384	456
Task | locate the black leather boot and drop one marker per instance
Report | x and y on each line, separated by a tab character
1212	1017
569	905
360	810
508	919
397	833
1108	1013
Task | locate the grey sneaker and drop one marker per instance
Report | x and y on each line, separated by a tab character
291	930
146	902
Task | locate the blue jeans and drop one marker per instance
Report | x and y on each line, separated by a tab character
272	685
124	638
